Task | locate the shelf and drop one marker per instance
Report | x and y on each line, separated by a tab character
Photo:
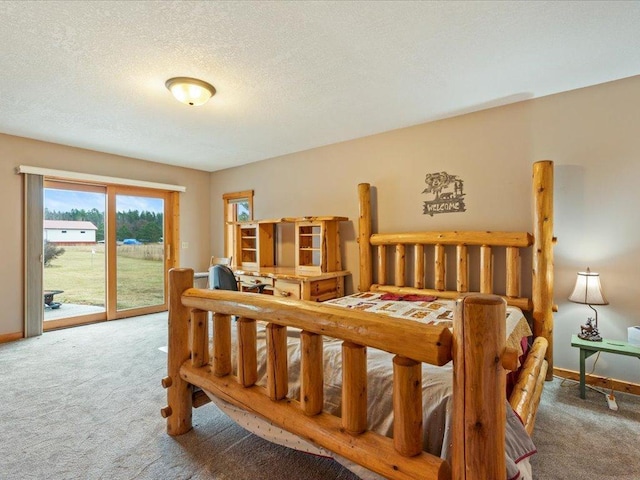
317	244
254	244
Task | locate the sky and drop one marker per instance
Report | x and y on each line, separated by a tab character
66	200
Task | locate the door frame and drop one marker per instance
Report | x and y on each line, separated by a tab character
170	239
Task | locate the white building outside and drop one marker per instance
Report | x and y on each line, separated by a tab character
69	231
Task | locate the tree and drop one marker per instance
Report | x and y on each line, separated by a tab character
123	232
51	252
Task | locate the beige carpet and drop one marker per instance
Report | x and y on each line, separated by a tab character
83	403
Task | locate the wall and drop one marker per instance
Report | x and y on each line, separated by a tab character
14	151
592	136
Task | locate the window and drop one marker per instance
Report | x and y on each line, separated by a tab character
238	207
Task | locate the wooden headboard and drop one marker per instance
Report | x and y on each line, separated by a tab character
386	254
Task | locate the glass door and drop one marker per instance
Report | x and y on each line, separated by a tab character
107	251
74	254
138	272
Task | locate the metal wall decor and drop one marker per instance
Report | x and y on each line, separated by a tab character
447	194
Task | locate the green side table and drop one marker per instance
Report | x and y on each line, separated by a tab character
588	348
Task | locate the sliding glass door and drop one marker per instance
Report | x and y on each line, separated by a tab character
106	252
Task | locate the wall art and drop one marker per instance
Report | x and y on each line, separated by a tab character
446	194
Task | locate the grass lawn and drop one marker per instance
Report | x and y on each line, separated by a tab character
80	273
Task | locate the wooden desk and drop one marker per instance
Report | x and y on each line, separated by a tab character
289	282
588	348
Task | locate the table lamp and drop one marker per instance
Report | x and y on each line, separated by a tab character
589	292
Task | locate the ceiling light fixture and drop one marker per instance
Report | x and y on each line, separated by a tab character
190	91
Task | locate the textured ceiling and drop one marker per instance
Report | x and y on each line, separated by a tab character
290	75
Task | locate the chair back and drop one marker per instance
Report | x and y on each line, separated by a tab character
221	277
220	261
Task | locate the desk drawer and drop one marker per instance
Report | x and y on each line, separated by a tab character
248	280
284	288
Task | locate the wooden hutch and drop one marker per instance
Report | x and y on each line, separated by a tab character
317	274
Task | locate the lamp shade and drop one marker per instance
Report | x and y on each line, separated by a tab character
588	289
190	91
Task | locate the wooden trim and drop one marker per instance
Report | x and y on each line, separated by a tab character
171	228
137	311
237	195
229	219
599	381
110	251
11	337
73	321
172	233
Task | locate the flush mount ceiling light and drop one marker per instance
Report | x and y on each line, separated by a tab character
190	91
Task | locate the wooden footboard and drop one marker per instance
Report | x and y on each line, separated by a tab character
477	348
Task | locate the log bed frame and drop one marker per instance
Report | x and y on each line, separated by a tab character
477	348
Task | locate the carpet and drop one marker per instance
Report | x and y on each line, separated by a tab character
84	403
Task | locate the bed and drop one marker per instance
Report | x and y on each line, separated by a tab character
475	349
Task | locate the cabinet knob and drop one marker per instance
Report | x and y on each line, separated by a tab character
284	294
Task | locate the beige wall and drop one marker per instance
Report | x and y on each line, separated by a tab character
14	151
592	136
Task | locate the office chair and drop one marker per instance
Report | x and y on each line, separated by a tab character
221	277
217	261
220	261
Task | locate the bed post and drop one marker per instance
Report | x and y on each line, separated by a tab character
364	233
479	382
178	412
543	257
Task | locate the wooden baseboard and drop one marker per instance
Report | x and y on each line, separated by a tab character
598	381
10	337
